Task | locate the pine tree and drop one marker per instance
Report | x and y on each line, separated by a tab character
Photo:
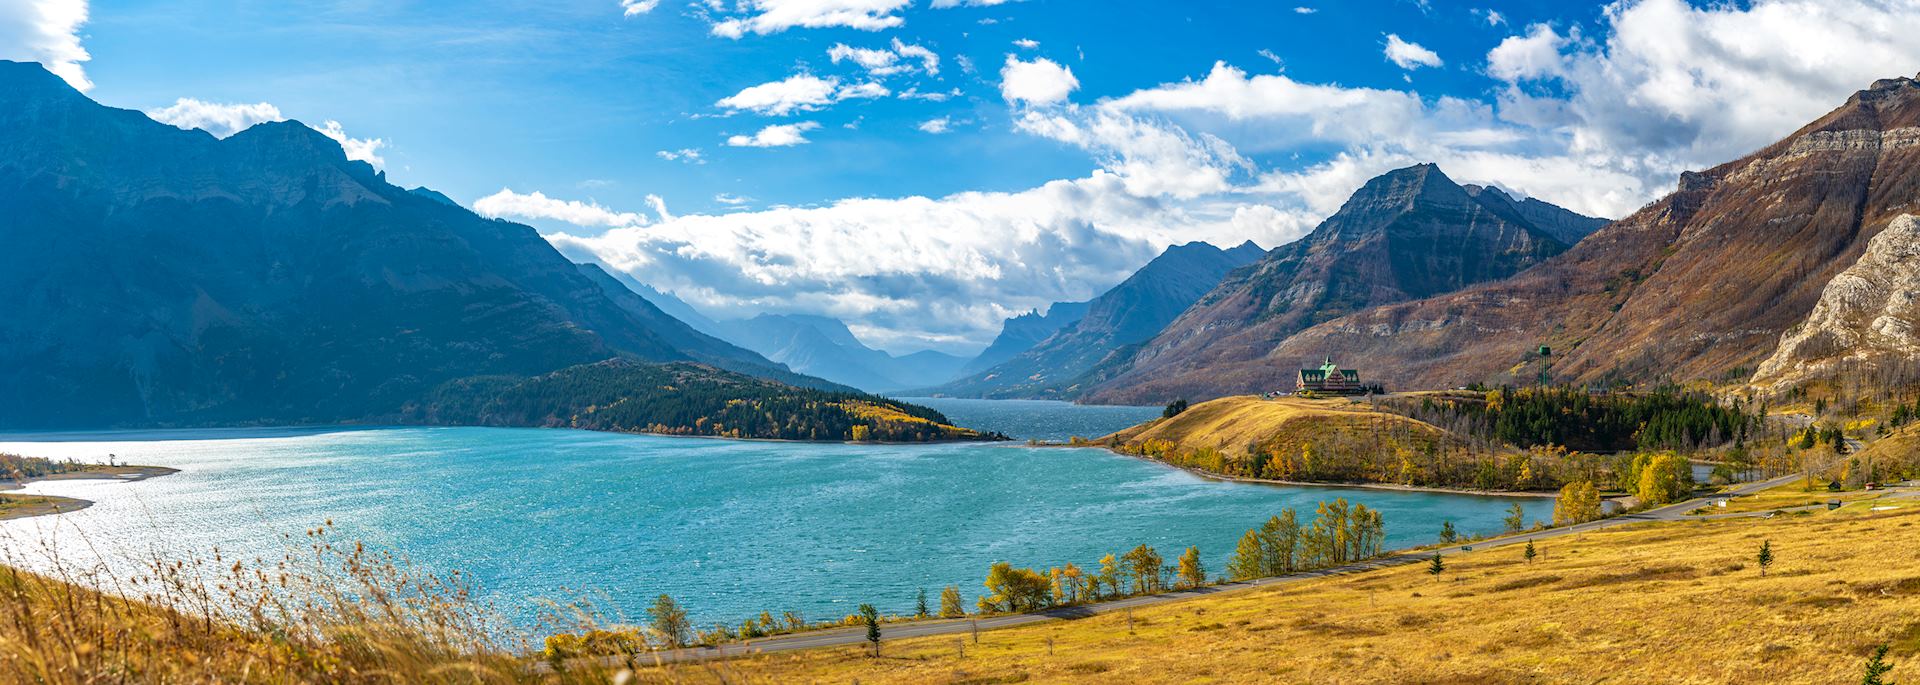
920	605
1435	566
1530	553
1877	668
872	617
1766	556
951	605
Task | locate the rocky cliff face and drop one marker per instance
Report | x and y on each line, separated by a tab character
1868	315
157	276
1701	284
1407	234
1134	311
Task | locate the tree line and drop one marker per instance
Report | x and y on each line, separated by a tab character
682	399
1666	418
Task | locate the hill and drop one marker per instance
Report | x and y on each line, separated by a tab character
1340	441
1703	284
1131	312
159	276
681	399
1405	235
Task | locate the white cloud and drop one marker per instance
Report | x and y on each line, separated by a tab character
219	119
688	155
729	199
1039	82
1672	87
866	90
1304	10
362	149
629	8
918	269
1492	17
1410	55
1026	43
773	16
780	98
940	125
778	135
900	57
1533	56
943	4
508	203
1151	159
1271	57
48	32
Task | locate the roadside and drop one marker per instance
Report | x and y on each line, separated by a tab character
853	636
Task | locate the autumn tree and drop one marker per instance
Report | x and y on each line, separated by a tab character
951	606
670	622
1016	589
1192	573
1579	502
1143	568
1447	534
1249	558
1516	519
1279	539
1110	575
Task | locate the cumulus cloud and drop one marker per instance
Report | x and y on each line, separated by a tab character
773	16
508	203
897	58
778	135
1304	10
940	125
48	32
630	8
362	149
1671	86
1039	82
1410	55
219	119
779	98
1026	43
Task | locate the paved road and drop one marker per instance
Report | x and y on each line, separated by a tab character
853	636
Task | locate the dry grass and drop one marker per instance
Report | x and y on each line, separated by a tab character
1795	494
1229	424
325	613
1669	603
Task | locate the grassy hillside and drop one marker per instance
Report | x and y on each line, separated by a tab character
1340	441
681	399
1670	602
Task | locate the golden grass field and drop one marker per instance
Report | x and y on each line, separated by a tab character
1679	602
1229	424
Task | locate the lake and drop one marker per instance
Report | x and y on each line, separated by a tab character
729	528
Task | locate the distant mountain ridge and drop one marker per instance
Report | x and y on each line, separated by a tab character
1129	313
160	276
1404	235
1021	333
1721	278
824	346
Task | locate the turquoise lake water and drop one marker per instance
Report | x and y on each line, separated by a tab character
728	528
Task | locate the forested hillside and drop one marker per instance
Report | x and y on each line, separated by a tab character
681	399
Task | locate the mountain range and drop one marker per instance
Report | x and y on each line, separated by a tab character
1136	309
1407	234
159	276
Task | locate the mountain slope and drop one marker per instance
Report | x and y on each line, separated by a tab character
1129	313
1701	284
162	276
824	347
1868	316
1022	332
1407	234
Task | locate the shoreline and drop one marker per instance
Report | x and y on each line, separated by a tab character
307	430
1311	484
49	505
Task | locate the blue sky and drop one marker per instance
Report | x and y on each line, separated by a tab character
964	160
